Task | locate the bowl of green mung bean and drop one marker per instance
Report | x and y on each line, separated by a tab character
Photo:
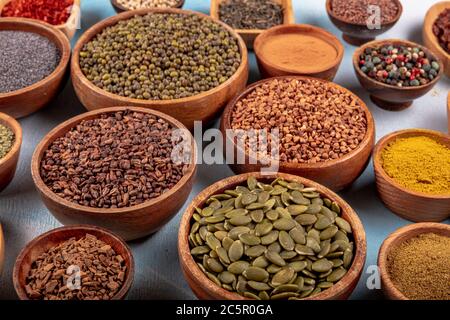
10	142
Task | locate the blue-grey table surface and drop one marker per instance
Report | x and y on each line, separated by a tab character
158	275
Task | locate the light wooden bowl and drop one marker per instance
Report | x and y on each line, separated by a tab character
120	8
25	101
430	40
8	163
270	69
357	33
391	97
201	107
408	204
54	237
130	223
249	35
204	288
335	174
448	111
70	26
2	249
393	241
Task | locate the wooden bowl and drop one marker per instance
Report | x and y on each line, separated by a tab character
408	204
430	40
270	68
130	223
70	26
54	237
120	8
393	241
2	249
25	101
204	288
358	33
448	111
335	174
391	97
249	35
8	163
201	107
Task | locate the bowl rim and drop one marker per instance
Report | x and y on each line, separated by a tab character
390	137
429	23
113	20
85	228
310	30
115	3
61	42
70	123
406	232
2	248
15	127
358	232
430	54
340	19
367	141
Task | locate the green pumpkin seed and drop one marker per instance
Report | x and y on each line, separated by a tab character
313	244
259	286
337	263
275	247
336	254
215	219
220	235
251	183
298	235
286	198
214	265
238	202
255	206
343	224
255	251
283	213
313	209
241	286
296	209
250	295
256	274
275	258
303	250
309	281
263	295
222	196
200	250
297	266
337	275
213	242
236	231
306	293
325	285
286	288
328	233
208	211
195	227
238	267
325	274
284	224
236	251
300	282
340	235
311	195
269	204
295	186
318	201
286	241
249	239
236	212
272	215
347	258
248	198
325	249
257	215
227	242
335	207
240	220
213	278
263	228
263	196
283	276
322	223
322	265
270	238
308	274
273	268
306	219
223	255
197	217
260	262
226	277
298	198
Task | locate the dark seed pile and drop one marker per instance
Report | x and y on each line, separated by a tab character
161	56
25	58
102	271
441	29
117	160
7	139
356	11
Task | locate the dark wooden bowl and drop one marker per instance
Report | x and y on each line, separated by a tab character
201	107
335	174
130	223
357	33
2	249
204	288
25	101
52	238
270	69
391	97
408	204
120	8
8	163
393	241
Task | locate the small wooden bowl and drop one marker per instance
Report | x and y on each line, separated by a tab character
204	288
2	249
52	238
8	163
393	241
70	26
408	204
130	223
391	97
268	68
25	101
358	33
335	174
201	107
430	40
120	8
448	111
249	35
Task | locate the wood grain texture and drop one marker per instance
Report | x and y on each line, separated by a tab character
52	238
391	97
202	107
393	241
249	35
448	111
130	223
120	8
408	204
430	40
8	163
204	288
335	174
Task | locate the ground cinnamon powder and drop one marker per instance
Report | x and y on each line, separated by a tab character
420	267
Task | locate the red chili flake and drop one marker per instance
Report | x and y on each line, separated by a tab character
362	62
55	12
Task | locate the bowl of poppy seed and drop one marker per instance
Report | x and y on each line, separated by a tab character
10	143
183	63
271	237
325	132
79	262
33	64
396	72
116	168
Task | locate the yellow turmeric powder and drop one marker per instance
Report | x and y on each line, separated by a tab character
418	163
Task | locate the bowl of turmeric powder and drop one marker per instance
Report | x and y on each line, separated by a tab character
412	173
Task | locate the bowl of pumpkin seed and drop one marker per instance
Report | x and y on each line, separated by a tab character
271	237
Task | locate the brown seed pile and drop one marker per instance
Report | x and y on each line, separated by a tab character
441	29
102	271
420	267
117	160
357	11
317	122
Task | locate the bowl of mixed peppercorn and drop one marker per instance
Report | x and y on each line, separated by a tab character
396	72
